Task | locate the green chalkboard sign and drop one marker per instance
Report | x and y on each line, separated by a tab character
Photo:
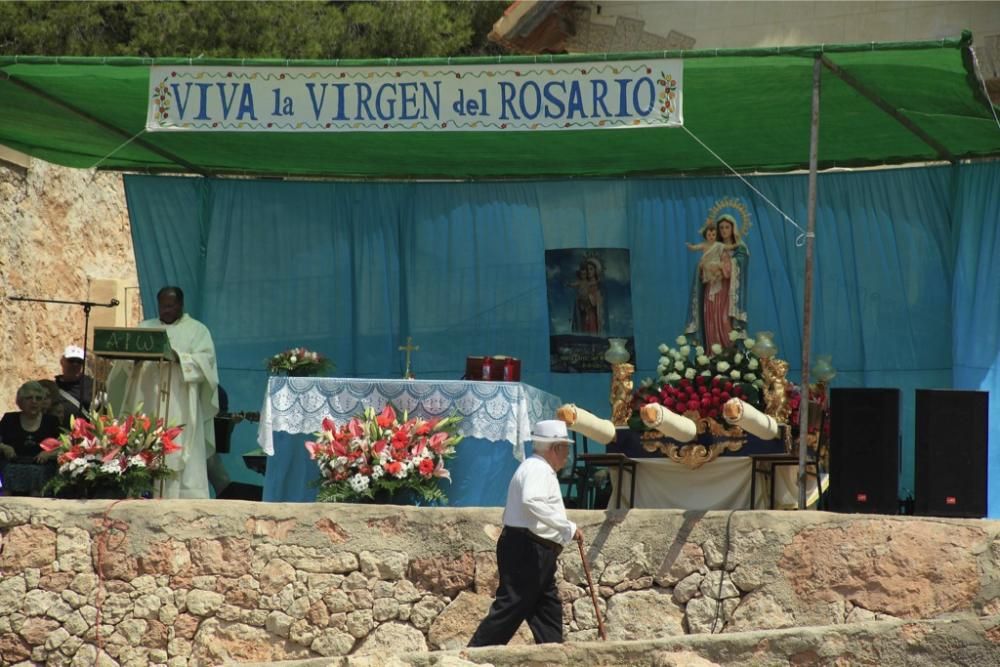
132	343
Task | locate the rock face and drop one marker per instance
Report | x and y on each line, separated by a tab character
923	571
202	583
63	229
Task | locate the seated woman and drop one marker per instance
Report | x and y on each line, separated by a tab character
24	467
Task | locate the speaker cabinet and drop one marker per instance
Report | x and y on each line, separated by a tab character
864	450
950	458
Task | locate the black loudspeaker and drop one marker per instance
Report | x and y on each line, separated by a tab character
864	450
951	459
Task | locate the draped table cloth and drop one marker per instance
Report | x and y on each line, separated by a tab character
496	422
721	484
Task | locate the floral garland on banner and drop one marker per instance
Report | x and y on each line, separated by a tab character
376	455
693	379
121	456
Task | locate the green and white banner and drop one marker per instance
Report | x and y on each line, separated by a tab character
476	98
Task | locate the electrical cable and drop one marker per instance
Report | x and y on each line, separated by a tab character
722	573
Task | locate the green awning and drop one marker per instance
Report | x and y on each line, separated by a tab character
922	102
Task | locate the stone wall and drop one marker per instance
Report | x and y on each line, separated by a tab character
61	230
201	583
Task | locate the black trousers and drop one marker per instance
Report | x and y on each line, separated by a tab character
527	592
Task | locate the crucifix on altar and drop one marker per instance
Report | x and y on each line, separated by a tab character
408	348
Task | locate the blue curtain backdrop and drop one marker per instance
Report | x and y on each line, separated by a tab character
907	288
976	299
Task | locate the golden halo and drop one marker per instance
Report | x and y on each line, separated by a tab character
734	203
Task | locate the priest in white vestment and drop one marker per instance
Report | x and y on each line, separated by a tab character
193	400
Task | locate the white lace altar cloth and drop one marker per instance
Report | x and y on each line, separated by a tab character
494	411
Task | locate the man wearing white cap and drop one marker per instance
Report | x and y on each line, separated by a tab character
535	531
75	388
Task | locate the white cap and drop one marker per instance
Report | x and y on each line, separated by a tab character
73	352
550	430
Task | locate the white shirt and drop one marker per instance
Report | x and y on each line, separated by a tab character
534	501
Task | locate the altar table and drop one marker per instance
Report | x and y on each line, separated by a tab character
496	423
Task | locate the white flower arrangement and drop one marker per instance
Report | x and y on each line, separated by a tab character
727	369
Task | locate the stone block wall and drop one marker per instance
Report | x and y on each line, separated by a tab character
202	583
64	233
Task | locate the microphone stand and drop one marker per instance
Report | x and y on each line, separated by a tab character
87	305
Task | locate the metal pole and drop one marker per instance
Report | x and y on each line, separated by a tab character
807	297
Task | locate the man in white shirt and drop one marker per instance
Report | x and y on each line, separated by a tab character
535	531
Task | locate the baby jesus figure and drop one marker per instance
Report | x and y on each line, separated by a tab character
711	261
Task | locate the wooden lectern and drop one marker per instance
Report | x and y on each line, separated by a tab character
140	346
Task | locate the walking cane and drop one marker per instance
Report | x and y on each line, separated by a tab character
593	596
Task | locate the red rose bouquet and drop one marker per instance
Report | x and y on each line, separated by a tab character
692	379
377	454
817	408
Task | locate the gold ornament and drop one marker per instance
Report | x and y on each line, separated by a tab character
695	455
773	372
621	393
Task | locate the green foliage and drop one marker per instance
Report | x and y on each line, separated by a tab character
309	30
94	484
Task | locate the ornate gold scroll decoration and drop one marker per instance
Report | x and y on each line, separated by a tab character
621	393
694	455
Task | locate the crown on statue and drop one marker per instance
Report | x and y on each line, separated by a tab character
722	208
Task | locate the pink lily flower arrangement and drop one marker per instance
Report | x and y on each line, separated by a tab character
377	454
125	454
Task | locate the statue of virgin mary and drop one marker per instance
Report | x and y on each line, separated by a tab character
717	304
